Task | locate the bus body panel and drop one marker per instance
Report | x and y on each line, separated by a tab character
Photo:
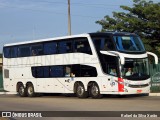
20	70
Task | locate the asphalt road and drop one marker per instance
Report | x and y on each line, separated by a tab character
62	103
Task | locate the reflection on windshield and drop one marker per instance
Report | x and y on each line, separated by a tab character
135	69
129	43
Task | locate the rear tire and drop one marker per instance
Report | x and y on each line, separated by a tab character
22	91
80	91
30	91
94	91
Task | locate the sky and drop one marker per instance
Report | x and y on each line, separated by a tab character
22	20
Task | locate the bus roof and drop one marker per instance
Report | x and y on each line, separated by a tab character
45	40
111	33
72	36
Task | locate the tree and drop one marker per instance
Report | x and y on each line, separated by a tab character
143	19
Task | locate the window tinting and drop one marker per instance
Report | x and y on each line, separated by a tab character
37	50
129	43
46	71
50	48
76	70
64	71
7	52
88	71
34	72
65	47
82	46
67	71
13	52
103	43
109	64
56	71
24	51
39	72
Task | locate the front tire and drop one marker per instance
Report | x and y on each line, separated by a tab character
94	91
80	91
30	91
22	91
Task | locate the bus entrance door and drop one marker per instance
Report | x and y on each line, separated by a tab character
69	83
112	85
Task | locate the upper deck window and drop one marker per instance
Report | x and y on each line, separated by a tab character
129	44
24	51
37	49
103	43
82	46
50	48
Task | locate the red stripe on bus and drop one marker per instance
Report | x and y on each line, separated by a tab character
120	85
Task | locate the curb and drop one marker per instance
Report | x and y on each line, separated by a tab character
7	93
154	94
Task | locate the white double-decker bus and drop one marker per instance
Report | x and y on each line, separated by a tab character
88	65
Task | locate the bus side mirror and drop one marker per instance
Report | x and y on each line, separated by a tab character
154	55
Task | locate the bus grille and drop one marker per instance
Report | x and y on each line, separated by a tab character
138	86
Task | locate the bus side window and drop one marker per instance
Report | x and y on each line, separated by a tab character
88	71
50	48
46	72
14	52
97	43
33	69
76	70
108	45
67	71
37	50
39	71
56	71
7	52
24	51
65	47
82	46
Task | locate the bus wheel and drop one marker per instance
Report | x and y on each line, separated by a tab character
22	91
94	91
80	91
30	90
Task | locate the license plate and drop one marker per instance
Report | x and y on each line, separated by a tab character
139	91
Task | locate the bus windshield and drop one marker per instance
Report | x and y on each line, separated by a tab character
129	43
136	69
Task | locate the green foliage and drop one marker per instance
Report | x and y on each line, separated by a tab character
143	19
